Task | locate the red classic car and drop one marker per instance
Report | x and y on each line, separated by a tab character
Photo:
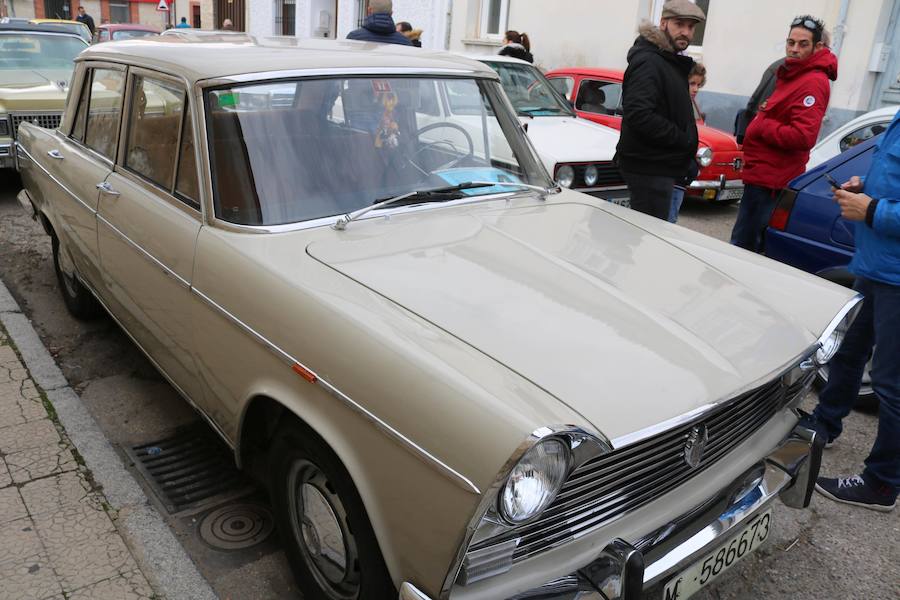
596	94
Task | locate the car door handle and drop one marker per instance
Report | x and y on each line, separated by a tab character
55	154
107	189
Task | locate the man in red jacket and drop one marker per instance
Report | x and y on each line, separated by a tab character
778	140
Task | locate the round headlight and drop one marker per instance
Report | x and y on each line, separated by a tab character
565	175
704	156
534	482
590	176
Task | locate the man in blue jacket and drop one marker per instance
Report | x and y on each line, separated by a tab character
379	25
876	265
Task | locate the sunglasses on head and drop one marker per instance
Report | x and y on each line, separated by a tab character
806	24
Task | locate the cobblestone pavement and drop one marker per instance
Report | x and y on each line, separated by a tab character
58	538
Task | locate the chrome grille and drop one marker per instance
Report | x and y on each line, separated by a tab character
45	120
622	481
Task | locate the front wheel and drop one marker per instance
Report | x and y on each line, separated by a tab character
323	524
79	301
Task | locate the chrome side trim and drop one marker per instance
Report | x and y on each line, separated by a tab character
420	452
178	278
20	148
409	592
580	451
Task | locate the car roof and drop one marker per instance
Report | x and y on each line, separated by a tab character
42	28
63	21
616	74
200	57
496	58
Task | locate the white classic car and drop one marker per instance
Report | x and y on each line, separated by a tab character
457	380
578	153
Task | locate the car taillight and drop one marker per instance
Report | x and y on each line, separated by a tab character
783	207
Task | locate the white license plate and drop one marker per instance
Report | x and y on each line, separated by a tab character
731	194
707	569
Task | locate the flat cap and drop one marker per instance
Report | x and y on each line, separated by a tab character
683	9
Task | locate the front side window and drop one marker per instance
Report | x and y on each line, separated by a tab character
599	97
530	92
862	134
23	51
285	152
154	127
563	85
104	107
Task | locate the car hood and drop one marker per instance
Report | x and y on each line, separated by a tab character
623	326
570	139
20	89
716	139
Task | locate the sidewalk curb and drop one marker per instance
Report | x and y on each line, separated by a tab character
161	556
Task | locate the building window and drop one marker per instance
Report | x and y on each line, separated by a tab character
285	17
699	32
494	17
118	12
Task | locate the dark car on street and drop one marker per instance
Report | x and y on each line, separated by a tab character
807	231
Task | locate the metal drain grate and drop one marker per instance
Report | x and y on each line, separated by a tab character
237	526
189	470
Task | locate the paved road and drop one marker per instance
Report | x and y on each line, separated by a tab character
829	551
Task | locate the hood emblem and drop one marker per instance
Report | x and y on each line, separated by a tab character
695	445
62	84
738	164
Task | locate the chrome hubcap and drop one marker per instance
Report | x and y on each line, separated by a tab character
320	527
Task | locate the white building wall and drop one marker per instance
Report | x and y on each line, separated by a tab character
260	17
22	8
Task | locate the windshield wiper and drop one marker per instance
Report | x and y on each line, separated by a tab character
529	112
441	194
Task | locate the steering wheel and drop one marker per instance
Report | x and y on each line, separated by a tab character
426	145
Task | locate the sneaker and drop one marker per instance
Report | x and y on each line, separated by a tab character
811	422
854	490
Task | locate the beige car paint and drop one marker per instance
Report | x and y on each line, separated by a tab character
430	396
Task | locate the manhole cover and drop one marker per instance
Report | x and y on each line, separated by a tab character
236	526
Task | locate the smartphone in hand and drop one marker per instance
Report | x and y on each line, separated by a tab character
832	181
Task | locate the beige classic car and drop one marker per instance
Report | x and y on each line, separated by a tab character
457	380
35	69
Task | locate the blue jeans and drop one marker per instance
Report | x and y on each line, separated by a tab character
878	325
754	212
677	199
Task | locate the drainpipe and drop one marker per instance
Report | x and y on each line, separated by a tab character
840	28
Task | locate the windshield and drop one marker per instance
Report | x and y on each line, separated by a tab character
291	151
529	90
128	34
30	51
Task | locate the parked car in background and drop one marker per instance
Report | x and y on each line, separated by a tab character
69	26
807	230
123	31
457	379
855	132
36	63
577	152
596	94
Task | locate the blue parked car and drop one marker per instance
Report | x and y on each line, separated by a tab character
807	231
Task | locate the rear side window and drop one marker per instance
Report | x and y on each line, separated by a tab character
600	97
862	134
104	108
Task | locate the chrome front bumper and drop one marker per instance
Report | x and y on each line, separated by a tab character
626	571
719	187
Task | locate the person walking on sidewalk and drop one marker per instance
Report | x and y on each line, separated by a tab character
778	140
379	25
658	142
873	203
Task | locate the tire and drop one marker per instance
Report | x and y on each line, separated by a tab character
315	502
79	301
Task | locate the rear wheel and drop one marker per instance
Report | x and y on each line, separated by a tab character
321	519
80	303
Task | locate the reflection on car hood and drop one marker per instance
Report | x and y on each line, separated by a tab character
568	139
624	326
716	139
34	90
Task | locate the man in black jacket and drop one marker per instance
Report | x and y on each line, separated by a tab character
658	143
379	25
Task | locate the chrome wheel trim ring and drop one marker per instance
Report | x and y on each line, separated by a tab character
319	526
